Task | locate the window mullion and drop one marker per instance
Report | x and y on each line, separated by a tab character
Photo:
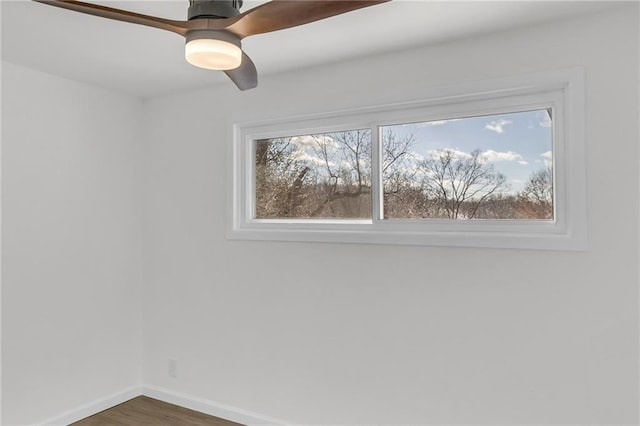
376	174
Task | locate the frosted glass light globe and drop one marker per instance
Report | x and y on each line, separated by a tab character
213	54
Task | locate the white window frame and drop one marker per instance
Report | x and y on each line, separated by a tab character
562	91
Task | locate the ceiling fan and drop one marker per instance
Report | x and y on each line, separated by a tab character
215	28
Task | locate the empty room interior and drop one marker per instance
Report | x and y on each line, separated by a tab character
322	212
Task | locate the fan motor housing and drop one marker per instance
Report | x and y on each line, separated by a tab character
213	8
213	35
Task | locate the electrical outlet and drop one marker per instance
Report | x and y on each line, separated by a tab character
173	368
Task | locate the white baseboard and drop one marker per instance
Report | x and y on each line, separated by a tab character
204	406
93	407
212	408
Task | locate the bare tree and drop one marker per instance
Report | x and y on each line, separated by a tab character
398	165
329	176
322	175
280	178
535	201
345	174
402	195
459	183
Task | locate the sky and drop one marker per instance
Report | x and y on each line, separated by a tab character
518	144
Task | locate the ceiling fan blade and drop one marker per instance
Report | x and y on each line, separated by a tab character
280	14
246	75
179	27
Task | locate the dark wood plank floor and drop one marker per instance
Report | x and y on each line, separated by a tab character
145	411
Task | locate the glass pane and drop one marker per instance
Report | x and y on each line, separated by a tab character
488	167
321	176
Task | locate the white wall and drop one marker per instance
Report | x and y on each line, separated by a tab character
71	261
96	202
348	334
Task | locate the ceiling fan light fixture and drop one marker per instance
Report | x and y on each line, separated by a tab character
213	50
215	27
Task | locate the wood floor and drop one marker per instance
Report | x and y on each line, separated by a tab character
145	411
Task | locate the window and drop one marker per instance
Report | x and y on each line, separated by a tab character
487	167
319	176
496	165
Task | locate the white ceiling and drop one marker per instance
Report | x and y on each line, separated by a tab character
146	62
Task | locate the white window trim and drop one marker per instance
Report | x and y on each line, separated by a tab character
562	90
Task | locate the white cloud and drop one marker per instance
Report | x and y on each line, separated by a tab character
308	149
307	142
434	122
497	125
310	158
486	156
493	156
417	157
440	122
456	153
546	121
346	166
547	158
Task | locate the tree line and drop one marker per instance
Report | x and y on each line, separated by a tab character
329	176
